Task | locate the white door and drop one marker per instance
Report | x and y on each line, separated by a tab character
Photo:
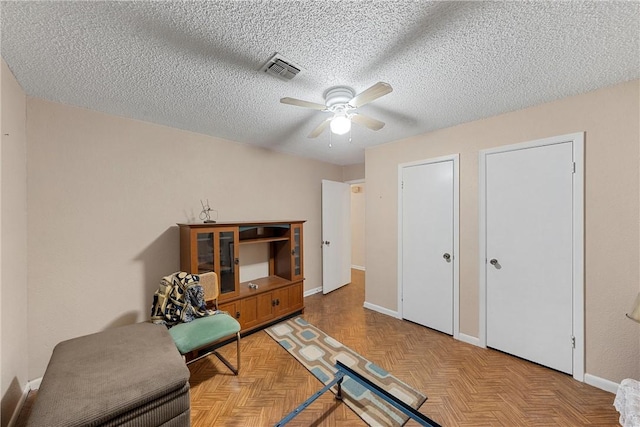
428	245
336	235
529	244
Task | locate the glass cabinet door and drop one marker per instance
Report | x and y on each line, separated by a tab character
228	272
205	262
296	251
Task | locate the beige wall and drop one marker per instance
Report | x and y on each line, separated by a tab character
357	225
105	194
610	119
13	230
353	172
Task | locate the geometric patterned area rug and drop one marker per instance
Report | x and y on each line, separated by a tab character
318	353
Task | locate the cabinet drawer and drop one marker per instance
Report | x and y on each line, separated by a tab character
256	310
288	300
296	297
233	308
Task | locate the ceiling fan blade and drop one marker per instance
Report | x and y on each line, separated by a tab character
304	104
374	92
367	121
321	127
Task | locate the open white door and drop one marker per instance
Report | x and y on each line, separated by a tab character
336	235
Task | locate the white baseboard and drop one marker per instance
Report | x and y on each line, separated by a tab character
358	267
601	383
469	339
381	310
35	384
312	291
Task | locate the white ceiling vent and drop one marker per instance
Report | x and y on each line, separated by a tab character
281	67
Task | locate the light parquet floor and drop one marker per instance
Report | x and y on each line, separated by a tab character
465	385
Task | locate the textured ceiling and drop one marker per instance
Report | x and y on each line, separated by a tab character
196	65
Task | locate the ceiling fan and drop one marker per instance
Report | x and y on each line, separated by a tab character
341	102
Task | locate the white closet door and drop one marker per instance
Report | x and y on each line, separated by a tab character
427	245
529	244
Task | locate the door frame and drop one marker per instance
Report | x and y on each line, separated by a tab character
578	239
455	158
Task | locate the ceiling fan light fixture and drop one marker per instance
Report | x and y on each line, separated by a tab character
342	104
340	124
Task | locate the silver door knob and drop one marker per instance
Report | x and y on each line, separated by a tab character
493	262
446	256
326	242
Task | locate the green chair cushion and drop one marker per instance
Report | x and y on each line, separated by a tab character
203	331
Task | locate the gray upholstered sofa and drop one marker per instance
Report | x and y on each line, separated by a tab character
132	376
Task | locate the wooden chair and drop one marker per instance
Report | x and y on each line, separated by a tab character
202	336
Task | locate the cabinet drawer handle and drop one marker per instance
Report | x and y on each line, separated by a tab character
237	314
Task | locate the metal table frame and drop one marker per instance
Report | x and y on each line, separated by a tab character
342	371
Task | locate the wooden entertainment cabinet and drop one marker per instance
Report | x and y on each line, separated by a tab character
268	254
